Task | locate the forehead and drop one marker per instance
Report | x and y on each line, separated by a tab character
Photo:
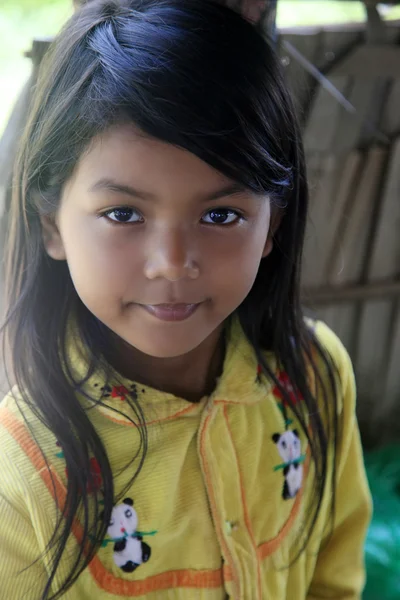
125	154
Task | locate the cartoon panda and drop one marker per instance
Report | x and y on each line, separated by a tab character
289	447
129	549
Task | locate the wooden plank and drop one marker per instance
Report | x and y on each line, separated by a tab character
375	29
300	82
314	164
348	179
371	61
375	344
321	314
335	46
324	116
392	34
350	127
348	263
342	320
372	353
312	274
379	330
327	211
385	255
373	115
391	115
339	294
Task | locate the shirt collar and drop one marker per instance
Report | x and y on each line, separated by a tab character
239	383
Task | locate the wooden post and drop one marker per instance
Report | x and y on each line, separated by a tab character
376	30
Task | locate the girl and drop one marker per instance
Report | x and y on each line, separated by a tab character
177	429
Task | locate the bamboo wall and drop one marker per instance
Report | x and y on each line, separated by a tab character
351	264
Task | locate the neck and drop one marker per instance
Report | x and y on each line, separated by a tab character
191	376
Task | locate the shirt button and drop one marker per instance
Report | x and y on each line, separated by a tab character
230	526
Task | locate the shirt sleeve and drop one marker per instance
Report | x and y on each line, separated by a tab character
340	571
22	573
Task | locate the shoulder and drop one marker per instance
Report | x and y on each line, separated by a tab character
14	412
329	348
22	438
14	424
11	415
330	342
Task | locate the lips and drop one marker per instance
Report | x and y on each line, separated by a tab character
171	312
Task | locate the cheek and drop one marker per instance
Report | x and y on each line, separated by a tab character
234	262
101	266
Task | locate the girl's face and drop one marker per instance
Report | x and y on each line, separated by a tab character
161	247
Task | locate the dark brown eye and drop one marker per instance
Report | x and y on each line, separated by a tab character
221	216
124	214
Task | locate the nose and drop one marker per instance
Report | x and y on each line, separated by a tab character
169	256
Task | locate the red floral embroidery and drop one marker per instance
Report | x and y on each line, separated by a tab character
119	391
97	481
96	476
285	382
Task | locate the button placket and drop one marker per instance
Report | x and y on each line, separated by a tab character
229	500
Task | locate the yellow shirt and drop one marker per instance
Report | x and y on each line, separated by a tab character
216	509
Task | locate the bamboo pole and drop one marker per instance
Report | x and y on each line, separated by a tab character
338	294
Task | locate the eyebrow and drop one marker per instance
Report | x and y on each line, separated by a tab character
112	186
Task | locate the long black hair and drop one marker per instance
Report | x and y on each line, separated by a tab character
191	73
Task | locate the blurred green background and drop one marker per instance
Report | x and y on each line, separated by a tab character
22	20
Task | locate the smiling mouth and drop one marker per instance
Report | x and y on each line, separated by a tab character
171	312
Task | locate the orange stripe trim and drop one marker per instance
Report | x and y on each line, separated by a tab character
190	408
226	402
267	548
228	575
184	411
246	513
172	579
180	578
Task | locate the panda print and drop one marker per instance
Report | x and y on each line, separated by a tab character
129	549
289	448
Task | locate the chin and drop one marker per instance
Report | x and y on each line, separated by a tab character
164	351
167	340
167	344
157	352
